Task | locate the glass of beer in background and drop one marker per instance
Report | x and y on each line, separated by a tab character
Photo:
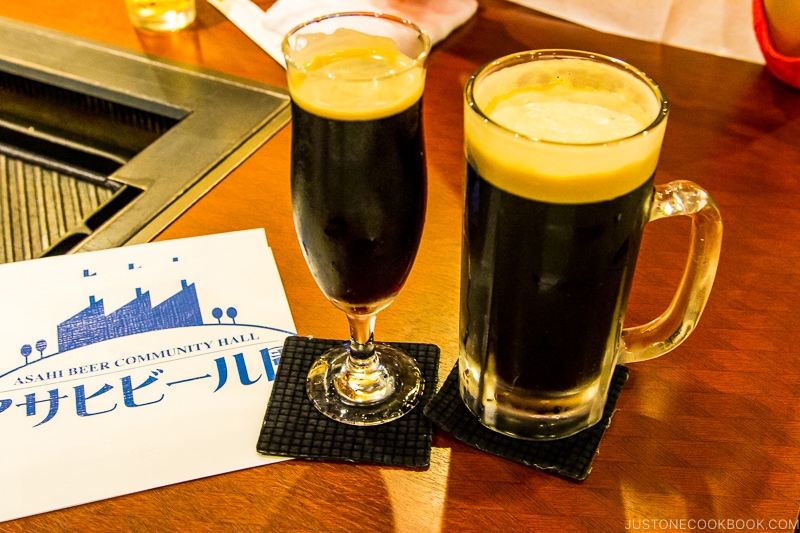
561	151
359	188
161	15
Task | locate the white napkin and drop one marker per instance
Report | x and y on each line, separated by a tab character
721	27
437	17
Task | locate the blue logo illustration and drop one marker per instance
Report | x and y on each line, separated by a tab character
92	325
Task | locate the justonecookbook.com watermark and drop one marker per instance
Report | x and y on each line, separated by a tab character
712	524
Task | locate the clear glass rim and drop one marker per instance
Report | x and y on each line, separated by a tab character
416	62
555	53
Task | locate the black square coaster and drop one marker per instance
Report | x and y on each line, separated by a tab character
294	428
570	457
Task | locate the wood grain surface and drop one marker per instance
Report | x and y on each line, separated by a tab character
709	432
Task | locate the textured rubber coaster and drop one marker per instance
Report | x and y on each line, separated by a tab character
570	457
294	428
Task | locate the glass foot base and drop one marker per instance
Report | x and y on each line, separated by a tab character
365	392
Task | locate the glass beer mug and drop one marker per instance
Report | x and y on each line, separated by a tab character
561	149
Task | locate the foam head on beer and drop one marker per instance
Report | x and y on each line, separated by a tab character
350	75
565	131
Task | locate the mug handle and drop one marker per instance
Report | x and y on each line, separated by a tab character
680	198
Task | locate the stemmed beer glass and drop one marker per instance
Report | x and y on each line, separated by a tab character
358	195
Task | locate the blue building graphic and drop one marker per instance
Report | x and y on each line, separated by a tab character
92	325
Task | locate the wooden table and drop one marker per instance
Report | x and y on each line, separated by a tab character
709	432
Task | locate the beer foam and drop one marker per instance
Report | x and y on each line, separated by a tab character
349	75
564	131
568	122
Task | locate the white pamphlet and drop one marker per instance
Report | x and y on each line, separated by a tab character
137	367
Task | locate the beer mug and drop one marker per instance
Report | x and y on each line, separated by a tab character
561	151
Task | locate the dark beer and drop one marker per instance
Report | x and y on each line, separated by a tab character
559	184
358	193
359	190
544	286
358	165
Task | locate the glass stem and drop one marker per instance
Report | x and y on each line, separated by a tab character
362	331
362	380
